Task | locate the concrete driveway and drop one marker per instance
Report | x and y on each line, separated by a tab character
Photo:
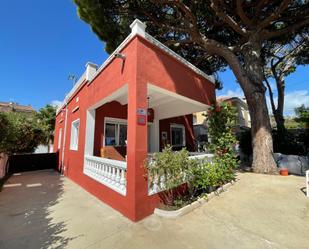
44	210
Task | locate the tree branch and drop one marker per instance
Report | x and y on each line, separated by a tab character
271	95
226	18
259	7
290	29
284	4
242	14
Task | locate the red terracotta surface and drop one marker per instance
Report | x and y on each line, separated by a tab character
144	64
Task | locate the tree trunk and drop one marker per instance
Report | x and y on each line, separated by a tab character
262	143
249	74
278	114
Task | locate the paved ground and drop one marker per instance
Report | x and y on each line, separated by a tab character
45	210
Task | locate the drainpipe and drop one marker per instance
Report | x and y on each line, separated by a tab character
64	137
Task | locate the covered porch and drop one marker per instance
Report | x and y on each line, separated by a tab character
166	118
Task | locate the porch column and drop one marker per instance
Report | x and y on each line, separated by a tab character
89	134
137	187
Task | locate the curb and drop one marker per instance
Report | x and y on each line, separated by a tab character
186	209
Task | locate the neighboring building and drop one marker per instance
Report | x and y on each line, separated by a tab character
200	122
243	115
11	106
139	100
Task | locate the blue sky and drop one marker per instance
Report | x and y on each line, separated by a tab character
42	42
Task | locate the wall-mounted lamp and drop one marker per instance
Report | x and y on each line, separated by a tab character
123	57
120	56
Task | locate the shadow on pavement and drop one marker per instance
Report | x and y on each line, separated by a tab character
26	205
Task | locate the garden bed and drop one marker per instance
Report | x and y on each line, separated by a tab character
166	211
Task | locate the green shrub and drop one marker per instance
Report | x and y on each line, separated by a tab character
169	168
202	176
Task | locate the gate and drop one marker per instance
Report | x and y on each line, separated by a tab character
30	162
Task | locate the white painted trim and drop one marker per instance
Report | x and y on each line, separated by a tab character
160	45
89	134
190	207
64	137
75	109
59	138
173	94
111	173
115	121
74	147
117	163
181	126
138	30
113	96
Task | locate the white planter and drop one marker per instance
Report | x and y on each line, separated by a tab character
186	209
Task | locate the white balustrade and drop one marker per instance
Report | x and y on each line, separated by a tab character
157	186
111	173
201	156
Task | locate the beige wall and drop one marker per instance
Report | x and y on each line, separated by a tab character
243	117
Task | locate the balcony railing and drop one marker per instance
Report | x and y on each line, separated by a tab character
158	186
111	173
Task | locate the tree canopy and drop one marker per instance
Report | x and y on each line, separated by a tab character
212	34
20	133
46	117
302	115
280	61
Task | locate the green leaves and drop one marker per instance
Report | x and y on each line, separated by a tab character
46	118
168	168
22	133
302	114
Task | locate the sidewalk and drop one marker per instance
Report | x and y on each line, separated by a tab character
44	210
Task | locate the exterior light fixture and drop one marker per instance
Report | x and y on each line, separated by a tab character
120	56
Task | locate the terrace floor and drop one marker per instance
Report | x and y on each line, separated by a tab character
45	210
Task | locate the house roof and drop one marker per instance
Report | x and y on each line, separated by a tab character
137	28
226	98
10	106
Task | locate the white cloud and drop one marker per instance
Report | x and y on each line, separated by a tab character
56	103
295	99
292	99
233	93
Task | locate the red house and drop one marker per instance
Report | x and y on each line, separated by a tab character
139	100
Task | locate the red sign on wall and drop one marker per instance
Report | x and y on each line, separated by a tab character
141	119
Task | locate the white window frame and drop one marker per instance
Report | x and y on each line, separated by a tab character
118	122
59	138
73	140
183	134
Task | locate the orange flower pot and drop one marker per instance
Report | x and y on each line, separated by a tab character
284	172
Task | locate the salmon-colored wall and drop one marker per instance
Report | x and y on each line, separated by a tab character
161	69
60	121
187	121
144	64
113	110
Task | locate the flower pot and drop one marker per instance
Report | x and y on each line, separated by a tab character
284	172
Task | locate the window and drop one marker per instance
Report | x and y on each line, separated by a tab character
74	135
59	138
115	132
178	135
